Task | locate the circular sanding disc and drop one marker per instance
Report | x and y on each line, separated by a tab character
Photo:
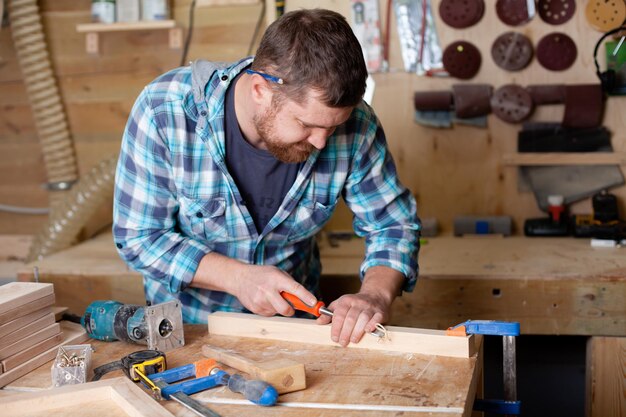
556	12
556	51
512	51
511	103
461	59
461	14
513	12
605	15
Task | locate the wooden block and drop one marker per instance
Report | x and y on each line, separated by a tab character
401	339
16	360
73	333
27	308
285	375
15	294
30	341
26	330
111	397
58	312
18	323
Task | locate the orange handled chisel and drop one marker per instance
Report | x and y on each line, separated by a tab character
317	310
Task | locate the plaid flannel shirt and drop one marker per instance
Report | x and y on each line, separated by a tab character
175	200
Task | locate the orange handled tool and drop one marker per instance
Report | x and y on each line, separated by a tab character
318	309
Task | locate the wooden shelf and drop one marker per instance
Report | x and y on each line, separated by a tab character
92	30
125	26
565	158
209	3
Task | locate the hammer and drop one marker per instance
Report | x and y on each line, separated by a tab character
285	375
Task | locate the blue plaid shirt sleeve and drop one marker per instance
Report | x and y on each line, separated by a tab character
145	205
384	210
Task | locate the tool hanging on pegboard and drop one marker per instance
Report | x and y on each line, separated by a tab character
366	27
421	51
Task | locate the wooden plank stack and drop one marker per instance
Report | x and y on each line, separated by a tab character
29	333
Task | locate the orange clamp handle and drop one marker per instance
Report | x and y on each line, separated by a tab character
298	304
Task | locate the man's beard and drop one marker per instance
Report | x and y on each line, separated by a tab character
288	153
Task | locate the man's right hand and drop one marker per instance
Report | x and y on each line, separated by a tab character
257	287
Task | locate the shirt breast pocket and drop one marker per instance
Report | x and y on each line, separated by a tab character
308	219
203	219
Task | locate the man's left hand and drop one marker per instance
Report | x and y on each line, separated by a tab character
356	314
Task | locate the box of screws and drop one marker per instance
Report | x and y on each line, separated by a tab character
72	365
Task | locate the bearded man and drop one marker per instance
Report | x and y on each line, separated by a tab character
228	171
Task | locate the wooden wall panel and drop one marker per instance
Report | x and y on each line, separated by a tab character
98	91
606	377
452	172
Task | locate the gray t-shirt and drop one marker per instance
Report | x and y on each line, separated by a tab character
263	180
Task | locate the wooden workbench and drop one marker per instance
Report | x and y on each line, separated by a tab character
340	381
551	286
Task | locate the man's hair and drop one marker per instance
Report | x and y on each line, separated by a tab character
314	49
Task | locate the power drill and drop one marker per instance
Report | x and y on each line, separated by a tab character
604	223
159	326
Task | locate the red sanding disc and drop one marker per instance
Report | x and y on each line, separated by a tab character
556	12
461	59
513	12
556	51
461	14
511	103
512	51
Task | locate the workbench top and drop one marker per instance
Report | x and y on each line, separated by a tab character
340	381
548	285
489	257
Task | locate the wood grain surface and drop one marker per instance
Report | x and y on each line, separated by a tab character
340	381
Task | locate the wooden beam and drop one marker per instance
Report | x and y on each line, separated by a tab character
27	329
16	294
26	308
565	158
401	339
22	321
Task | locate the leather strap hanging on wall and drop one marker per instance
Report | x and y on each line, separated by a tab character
584	105
432	100
556	51
512	103
461	14
556	12
471	100
461	60
513	12
512	51
605	15
547	93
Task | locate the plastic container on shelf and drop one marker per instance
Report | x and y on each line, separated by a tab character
103	11
155	10
128	10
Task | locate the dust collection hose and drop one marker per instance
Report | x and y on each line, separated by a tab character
50	118
80	204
